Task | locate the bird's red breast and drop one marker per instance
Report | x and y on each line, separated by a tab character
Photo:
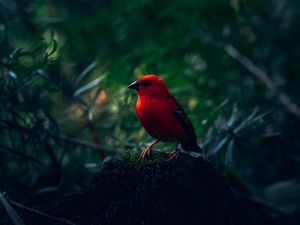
156	116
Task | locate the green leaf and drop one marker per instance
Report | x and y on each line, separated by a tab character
233	116
15	218
229	153
245	122
12	74
86	71
88	86
284	194
218	146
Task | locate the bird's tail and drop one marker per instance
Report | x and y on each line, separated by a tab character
197	148
194	148
203	152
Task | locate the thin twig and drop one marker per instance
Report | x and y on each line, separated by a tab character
86	144
13	151
263	77
64	138
291	106
61	220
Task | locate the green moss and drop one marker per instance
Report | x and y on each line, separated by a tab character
154	190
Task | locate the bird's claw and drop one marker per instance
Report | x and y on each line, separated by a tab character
145	153
174	155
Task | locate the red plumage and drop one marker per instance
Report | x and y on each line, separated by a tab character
162	116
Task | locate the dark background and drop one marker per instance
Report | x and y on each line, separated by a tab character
65	107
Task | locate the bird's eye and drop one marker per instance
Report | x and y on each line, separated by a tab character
144	84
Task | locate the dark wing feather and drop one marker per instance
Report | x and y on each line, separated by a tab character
191	143
182	117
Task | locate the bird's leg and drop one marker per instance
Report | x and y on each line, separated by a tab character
175	154
204	155
146	152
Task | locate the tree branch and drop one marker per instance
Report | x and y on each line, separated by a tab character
13	151
263	77
63	138
61	220
96	147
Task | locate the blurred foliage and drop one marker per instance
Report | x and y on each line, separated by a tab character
65	66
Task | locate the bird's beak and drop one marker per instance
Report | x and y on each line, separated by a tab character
134	85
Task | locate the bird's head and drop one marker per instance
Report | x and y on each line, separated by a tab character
150	86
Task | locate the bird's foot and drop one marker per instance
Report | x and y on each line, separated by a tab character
146	153
174	155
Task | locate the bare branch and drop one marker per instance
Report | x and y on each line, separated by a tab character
61	220
64	138
96	147
255	70
264	78
13	151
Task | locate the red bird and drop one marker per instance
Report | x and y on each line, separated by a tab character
162	116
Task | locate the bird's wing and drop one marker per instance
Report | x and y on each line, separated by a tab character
182	117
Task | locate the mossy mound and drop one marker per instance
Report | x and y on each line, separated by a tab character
130	190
